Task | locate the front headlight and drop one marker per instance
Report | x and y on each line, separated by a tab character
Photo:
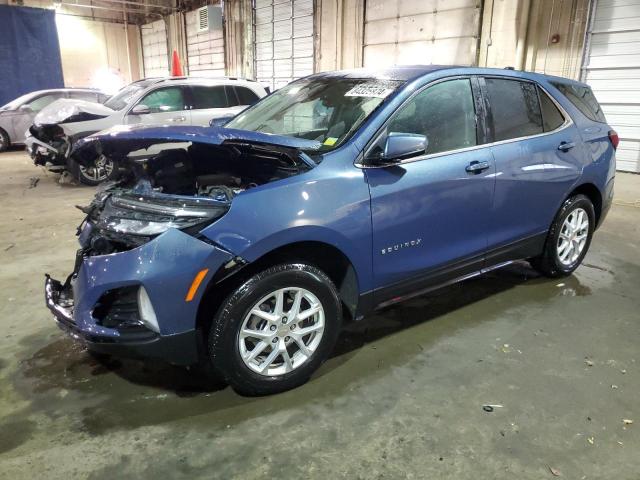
150	215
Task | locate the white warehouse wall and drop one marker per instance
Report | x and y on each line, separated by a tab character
155	52
205	50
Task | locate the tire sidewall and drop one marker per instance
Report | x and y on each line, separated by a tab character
579	201
224	351
6	141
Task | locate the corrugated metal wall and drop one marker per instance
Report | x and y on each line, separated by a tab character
421	32
205	50
284	40
612	69
154	49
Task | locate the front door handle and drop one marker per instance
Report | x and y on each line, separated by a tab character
477	167
178	119
566	146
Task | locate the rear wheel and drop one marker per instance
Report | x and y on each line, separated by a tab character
276	329
103	169
5	142
568	239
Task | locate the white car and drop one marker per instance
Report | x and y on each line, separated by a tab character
154	101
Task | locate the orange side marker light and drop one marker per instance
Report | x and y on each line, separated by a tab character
196	284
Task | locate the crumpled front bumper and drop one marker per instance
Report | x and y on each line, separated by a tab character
44	154
166	268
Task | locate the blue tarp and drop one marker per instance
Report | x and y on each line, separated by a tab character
29	51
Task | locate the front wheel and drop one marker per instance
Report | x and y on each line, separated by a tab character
276	329
103	169
568	239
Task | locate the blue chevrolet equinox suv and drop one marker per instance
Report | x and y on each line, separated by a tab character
243	248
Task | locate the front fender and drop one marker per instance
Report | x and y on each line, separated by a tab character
332	207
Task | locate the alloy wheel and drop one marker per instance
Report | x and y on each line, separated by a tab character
100	171
573	236
281	331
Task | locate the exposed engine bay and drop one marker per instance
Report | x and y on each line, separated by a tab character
186	188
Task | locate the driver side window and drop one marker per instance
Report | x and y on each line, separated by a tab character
164	100
444	113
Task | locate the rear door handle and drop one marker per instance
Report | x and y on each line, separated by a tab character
477	167
566	146
178	119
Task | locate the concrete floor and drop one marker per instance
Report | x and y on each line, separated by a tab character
401	398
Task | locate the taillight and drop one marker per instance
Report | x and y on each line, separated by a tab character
613	137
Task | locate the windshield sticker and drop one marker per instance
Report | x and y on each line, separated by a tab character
376	90
330	141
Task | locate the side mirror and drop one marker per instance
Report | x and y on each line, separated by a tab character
140	110
220	121
25	108
399	146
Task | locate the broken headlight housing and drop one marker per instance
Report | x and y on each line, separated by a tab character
151	215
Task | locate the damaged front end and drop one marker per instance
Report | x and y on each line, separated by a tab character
47	142
48	146
183	180
141	247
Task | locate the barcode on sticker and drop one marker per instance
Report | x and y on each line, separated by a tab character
369	90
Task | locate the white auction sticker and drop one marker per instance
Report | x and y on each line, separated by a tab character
376	90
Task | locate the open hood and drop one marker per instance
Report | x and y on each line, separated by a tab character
187	179
67	110
119	141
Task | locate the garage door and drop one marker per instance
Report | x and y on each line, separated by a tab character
284	40
613	71
421	32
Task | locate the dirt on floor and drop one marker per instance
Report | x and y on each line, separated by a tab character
402	397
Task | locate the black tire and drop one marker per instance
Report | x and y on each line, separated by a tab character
5	141
223	341
84	178
549	263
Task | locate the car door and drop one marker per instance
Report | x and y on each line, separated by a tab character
430	212
208	102
162	106
535	163
24	117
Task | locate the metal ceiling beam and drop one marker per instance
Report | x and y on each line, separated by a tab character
97	7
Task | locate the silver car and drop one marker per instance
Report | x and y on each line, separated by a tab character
17	116
151	101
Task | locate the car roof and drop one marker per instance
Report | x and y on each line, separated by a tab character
71	89
407	73
202	80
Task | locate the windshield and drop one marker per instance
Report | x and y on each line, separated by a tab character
327	110
124	96
14	104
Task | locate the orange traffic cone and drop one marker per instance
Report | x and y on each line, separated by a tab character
176	68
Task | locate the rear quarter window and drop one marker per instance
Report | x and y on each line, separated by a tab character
583	99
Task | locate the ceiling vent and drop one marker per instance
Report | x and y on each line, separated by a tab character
209	18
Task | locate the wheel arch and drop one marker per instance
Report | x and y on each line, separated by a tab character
592	192
328	258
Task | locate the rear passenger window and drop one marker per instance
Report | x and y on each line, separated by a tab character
209	97
246	96
583	99
445	113
551	116
514	108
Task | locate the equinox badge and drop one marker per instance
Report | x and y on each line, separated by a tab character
400	246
